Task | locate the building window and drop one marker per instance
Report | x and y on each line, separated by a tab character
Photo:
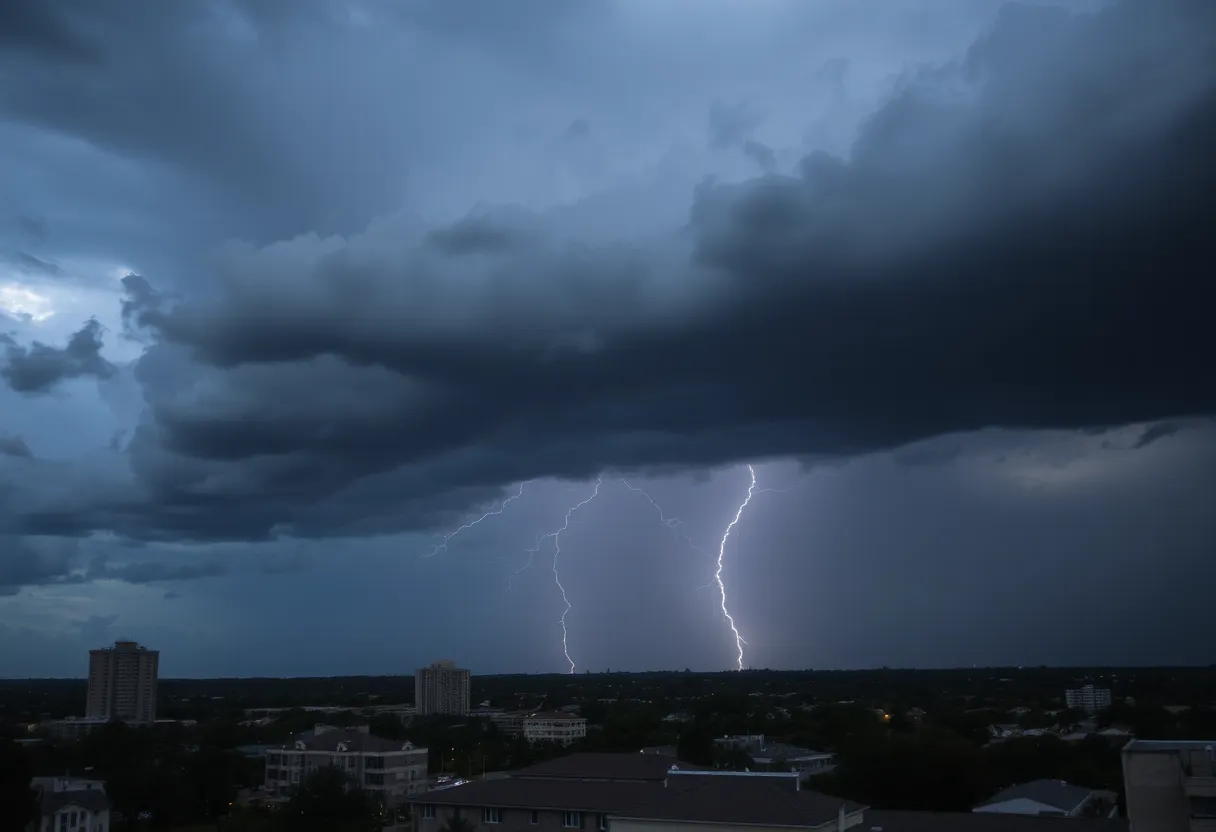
535	817
602	822
428	811
489	815
572	820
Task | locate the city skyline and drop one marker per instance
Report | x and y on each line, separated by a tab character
802	337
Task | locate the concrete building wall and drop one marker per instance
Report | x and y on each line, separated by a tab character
441	688
513	820
625	825
122	683
1155	788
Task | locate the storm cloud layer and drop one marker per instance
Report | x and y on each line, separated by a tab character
334	304
1017	239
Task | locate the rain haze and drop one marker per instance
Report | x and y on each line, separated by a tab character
293	295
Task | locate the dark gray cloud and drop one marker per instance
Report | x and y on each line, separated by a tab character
28	262
1157	432
14	446
1018	239
152	571
39	367
1015	240
34	561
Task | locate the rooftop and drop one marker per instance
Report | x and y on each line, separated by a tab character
541	793
605	766
557	716
353	740
889	821
1058	794
1169	745
725	797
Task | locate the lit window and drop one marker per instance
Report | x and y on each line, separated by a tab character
489	815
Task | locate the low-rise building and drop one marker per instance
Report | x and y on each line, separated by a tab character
73	727
1170	784
554	726
651	793
71	803
392	770
1048	797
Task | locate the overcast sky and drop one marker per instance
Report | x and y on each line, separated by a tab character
290	291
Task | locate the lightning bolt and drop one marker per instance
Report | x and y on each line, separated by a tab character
443	547
739	642
672	523
557	550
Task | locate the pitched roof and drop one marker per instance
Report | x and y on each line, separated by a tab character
1056	793
354	741
605	766
985	822
93	800
714	797
540	793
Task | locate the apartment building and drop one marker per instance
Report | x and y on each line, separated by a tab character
441	688
1170	785
1088	698
554	726
122	683
71	803
393	771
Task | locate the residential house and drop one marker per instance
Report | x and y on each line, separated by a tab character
1044	797
71	803
392	770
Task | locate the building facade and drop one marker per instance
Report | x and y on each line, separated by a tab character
1088	698
1170	785
122	683
554	726
393	771
441	688
71	803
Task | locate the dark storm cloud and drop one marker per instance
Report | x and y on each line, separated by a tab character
27	562
33	226
152	571
761	154
36	27
14	446
1018	239
1157	432
43	561
39	367
30	263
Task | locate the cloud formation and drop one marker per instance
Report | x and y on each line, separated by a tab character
39	367
1017	239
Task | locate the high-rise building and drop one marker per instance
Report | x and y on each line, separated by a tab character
122	683
442	688
1088	698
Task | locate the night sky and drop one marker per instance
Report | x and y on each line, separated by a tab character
291	291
